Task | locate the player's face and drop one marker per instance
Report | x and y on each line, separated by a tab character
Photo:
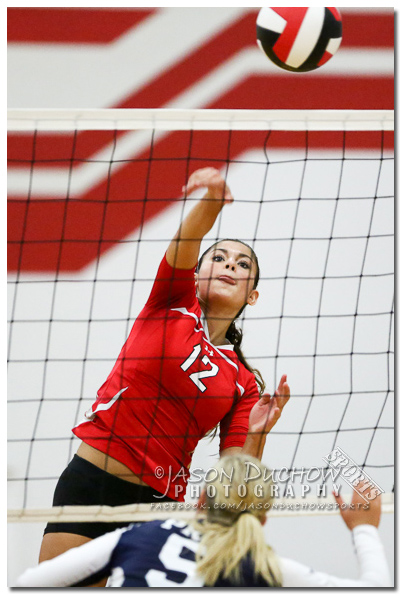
227	274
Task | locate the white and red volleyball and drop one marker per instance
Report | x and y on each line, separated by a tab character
299	39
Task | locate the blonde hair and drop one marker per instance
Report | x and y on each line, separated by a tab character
237	501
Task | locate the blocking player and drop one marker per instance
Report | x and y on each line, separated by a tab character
224	547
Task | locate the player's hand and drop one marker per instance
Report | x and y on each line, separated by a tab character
211	179
268	410
359	512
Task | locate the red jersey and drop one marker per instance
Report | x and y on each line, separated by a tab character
168	388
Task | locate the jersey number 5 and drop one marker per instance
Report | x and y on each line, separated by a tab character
197	376
172	560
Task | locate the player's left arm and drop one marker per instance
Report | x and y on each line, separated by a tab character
84	565
263	416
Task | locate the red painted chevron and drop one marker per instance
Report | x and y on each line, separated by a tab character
54	150
335	92
367	30
66	25
197	64
82	229
90	224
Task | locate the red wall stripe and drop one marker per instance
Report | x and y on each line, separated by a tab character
71	25
80	229
309	92
95	25
197	64
370	30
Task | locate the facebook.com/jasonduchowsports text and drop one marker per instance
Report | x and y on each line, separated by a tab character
286	484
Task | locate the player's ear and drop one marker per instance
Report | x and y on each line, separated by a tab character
253	298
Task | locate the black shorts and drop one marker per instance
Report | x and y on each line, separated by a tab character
84	484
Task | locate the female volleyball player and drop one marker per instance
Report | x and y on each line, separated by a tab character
179	375
226	548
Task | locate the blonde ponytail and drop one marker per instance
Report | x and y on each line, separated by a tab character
232	529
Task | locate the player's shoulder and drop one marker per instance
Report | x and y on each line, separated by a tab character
146	539
245	373
161	527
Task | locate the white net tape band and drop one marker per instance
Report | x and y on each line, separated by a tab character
163	510
171	119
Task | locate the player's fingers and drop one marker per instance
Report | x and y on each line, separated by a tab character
265	398
282	384
191	185
228	196
283	393
188	189
338	498
206	176
274	415
196	180
206	171
284	390
358	493
213	180
283	379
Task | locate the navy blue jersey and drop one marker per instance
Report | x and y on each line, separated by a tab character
162	554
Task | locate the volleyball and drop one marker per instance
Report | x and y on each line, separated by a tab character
299	39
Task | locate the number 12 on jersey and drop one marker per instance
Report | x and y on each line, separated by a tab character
197	376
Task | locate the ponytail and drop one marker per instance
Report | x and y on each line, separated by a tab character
235	336
229	537
225	547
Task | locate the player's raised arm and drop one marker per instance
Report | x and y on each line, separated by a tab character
183	250
362	519
359	511
264	416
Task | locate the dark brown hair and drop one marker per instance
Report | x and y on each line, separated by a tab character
234	333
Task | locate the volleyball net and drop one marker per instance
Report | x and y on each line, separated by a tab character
94	199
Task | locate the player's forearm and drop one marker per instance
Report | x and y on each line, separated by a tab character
371	555
374	571
183	250
75	565
254	444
